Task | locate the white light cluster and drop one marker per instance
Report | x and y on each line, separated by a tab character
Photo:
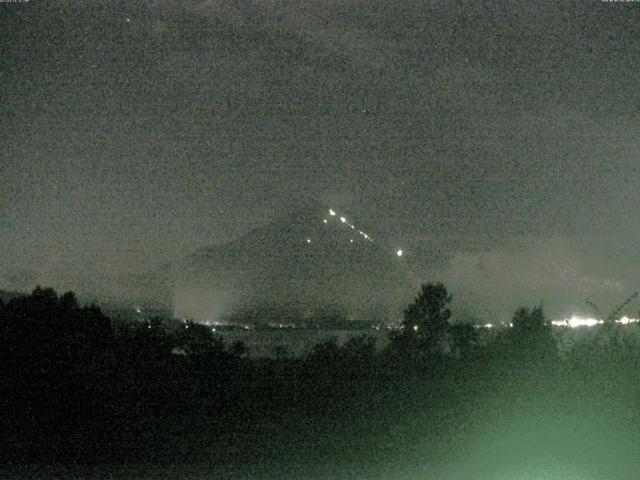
486	325
576	321
626	320
346	222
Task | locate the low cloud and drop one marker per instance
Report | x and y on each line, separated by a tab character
561	272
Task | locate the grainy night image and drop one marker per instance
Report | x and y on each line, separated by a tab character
319	240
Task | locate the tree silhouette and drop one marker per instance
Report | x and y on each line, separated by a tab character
464	340
426	321
68	301
324	353
531	334
238	349
198	340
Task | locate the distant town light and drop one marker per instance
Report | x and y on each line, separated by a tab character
324	220
576	321
343	220
331	212
308	240
626	320
399	253
415	328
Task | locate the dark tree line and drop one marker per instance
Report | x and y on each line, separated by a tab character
74	382
426	331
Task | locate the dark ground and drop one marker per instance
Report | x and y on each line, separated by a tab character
117	404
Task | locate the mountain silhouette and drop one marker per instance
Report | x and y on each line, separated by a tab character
311	263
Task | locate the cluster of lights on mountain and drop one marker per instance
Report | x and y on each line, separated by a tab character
343	220
332	213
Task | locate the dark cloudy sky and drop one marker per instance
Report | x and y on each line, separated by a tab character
496	142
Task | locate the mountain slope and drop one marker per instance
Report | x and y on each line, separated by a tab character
310	263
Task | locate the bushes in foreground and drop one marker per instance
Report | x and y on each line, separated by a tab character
77	385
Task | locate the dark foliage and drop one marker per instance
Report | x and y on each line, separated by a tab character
464	340
529	340
425	323
77	387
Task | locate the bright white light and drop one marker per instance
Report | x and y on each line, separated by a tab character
308	240
351	241
353	227
415	328
488	325
399	253
576	321
626	320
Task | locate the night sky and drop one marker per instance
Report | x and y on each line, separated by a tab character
496	143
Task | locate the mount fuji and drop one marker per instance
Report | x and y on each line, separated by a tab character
310	264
